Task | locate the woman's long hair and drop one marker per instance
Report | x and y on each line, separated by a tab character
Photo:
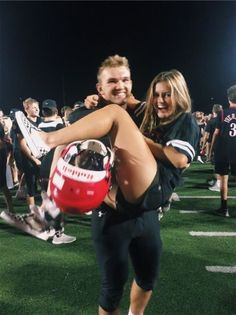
179	95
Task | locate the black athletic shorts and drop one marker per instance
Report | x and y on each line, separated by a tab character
225	168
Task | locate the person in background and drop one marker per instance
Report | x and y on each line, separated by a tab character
50	123
65	112
3	164
21	192
30	164
206	143
224	147
149	165
38	221
201	123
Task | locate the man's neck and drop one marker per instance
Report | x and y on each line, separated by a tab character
32	118
50	118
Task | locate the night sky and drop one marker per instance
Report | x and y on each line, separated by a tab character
53	49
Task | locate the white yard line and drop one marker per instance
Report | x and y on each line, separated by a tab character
204	197
222	269
200	233
191	211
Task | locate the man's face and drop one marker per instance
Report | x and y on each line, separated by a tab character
115	85
32	110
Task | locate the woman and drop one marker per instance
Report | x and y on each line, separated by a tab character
147	171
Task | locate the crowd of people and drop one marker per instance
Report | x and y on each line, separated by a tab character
154	142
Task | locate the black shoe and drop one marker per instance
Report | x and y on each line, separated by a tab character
222	212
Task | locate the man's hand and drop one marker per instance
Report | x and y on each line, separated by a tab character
91	101
36	161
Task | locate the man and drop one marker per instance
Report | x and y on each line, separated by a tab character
224	144
114	85
30	164
52	122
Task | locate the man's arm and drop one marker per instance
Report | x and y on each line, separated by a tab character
26	151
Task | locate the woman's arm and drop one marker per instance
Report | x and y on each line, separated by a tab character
167	154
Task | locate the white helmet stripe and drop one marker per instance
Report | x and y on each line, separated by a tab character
79	174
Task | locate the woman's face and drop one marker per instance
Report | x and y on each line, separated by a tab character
163	104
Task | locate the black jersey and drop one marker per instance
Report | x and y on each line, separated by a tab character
182	134
46	160
136	113
52	125
210	128
35	123
225	147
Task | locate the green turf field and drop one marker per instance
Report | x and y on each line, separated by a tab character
38	278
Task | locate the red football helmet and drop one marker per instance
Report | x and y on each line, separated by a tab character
82	176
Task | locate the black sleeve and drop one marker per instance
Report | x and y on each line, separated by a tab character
186	137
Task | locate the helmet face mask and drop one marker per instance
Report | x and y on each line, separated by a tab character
82	176
89	160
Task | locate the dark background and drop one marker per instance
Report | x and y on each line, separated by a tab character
53	49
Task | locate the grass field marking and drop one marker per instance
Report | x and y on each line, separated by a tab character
222	269
200	233
191	211
204	197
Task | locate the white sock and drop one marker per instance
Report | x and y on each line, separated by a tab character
130	312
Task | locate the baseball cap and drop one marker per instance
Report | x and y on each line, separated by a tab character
49	104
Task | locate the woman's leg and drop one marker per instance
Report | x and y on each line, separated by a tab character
56	156
136	166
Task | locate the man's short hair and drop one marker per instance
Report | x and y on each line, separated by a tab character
216	108
27	102
112	62
231	93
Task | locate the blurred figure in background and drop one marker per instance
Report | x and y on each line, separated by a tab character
3	164
224	146
199	116
206	144
65	112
